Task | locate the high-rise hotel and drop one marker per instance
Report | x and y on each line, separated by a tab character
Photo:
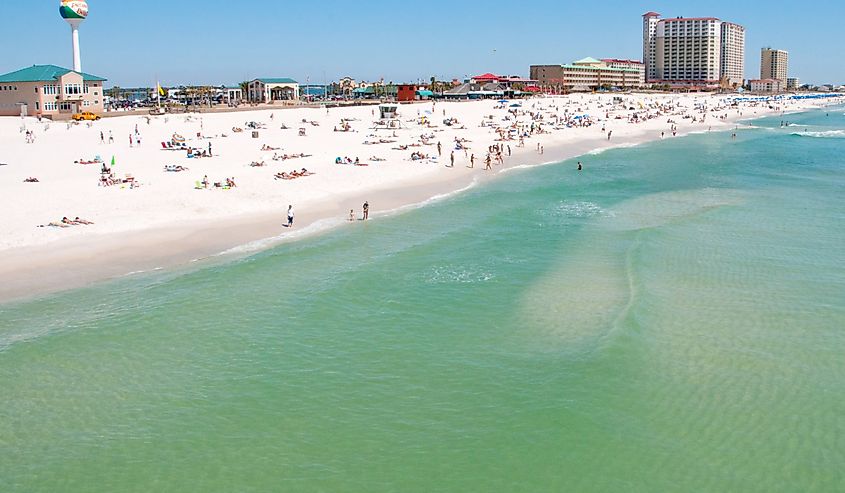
774	64
693	52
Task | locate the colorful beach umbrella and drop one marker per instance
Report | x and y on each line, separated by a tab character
112	160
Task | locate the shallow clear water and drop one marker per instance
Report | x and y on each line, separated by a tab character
672	318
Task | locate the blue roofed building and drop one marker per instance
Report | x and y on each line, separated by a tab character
272	89
50	91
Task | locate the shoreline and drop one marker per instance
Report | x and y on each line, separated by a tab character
33	271
30	272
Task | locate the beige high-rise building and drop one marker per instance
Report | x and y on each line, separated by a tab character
774	64
650	20
689	51
733	54
693	52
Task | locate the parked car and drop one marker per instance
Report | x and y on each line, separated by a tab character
85	116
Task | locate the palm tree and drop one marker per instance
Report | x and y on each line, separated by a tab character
244	89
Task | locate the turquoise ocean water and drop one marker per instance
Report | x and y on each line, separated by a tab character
670	319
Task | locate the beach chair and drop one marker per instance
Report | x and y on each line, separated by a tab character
164	146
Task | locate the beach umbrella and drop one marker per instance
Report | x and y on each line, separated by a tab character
112	160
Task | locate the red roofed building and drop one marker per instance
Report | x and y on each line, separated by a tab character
507	81
484	78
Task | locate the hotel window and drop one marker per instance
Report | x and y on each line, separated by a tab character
73	89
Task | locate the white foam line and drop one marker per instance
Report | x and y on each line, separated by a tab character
327	224
285	237
602	150
137	272
429	201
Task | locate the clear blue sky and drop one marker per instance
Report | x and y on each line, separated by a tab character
217	41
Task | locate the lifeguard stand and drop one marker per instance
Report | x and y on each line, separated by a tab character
388	111
388	116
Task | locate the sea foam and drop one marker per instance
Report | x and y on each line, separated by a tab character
828	134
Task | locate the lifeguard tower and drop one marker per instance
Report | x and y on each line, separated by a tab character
388	110
388	116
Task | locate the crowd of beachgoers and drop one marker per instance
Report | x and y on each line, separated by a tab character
150	175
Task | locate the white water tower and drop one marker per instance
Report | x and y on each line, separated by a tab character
74	12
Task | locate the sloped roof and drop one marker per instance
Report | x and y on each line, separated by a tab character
43	73
277	80
461	89
589	59
487	76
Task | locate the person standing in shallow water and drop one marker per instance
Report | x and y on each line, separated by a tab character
579	166
366	210
290	216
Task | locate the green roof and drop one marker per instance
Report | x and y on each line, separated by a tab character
607	69
43	73
587	60
277	80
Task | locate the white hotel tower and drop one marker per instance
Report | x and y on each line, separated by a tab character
698	51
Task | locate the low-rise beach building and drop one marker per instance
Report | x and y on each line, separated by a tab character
50	91
590	74
272	89
506	81
766	85
412	92
232	94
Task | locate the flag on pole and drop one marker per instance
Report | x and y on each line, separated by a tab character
160	89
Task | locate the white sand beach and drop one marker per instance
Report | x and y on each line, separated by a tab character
147	217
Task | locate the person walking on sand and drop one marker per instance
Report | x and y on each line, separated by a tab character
102	138
111	138
509	150
452	160
130	140
209	150
487	163
472	161
439	153
290	216
366	210
351	215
